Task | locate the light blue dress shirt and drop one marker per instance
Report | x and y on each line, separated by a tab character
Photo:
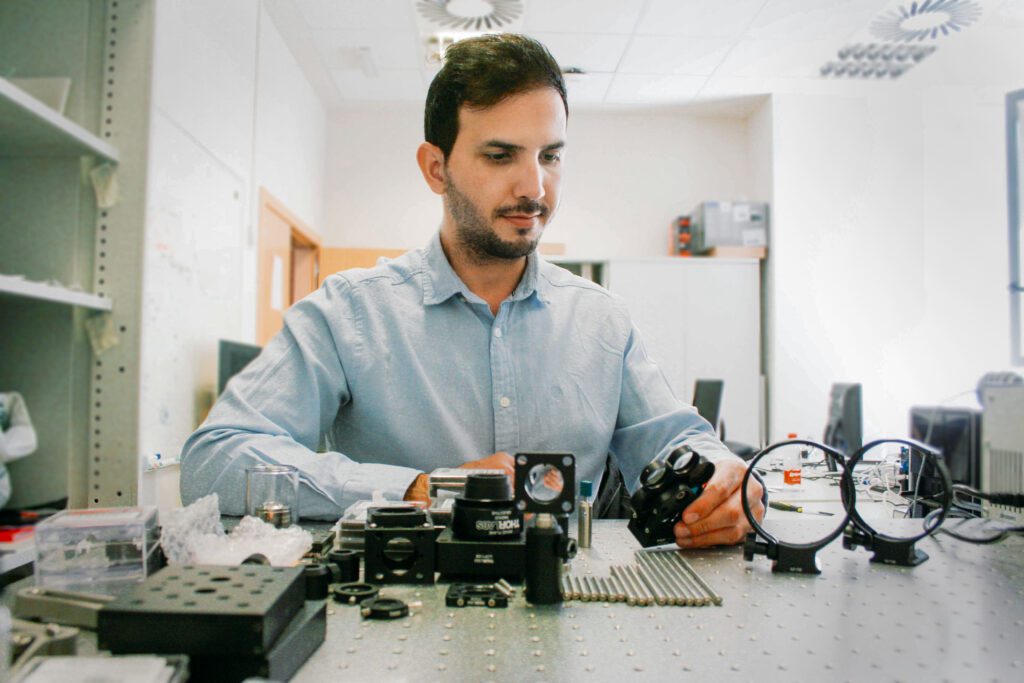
400	369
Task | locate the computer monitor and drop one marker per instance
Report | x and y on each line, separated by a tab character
232	357
707	399
844	428
956	433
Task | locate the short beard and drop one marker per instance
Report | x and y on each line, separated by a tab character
477	237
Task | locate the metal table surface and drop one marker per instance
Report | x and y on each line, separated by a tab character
957	617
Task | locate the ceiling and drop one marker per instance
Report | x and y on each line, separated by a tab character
643	53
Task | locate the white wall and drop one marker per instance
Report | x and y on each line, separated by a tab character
888	253
231	112
889	260
627	175
291	129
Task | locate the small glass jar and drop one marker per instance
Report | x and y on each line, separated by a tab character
272	494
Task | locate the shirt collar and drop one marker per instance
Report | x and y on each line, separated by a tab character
440	282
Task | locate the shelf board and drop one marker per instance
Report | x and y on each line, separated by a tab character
30	128
12	286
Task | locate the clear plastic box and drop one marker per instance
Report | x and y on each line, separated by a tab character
97	550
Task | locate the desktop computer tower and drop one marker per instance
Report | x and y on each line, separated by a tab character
1002	451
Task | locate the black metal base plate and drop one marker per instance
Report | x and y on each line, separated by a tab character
474	595
297	643
480	559
203	610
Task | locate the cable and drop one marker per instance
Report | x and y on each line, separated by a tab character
933	527
1010	499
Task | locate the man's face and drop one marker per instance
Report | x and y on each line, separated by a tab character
503	174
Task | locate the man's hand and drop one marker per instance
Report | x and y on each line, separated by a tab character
497	461
419	489
420	486
716	518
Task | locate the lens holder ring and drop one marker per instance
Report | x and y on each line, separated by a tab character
893	549
790	557
397	516
383	608
354	592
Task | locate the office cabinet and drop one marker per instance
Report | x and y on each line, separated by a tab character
699	318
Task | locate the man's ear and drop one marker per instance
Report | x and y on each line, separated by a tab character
431	161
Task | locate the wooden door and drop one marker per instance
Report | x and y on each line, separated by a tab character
289	256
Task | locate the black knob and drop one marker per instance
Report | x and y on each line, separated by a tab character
753	547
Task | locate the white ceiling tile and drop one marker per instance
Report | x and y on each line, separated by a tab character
392	85
358	14
583	16
587	89
390	49
813	19
777	58
587	51
707	18
674	55
720	86
652	89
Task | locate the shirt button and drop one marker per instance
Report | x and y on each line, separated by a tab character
497	331
505	402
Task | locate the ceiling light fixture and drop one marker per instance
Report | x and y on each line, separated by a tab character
874	60
925	20
471	15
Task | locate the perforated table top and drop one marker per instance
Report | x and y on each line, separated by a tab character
959	616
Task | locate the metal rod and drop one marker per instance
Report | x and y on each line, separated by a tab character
620	592
696	597
715	597
578	588
589	587
627	587
602	594
660	597
684	576
654	573
683	596
645	597
595	592
567	593
607	588
652	599
631	589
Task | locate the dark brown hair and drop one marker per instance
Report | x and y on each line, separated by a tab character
480	72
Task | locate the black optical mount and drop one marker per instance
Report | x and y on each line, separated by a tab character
800	558
399	545
901	552
548	544
485	539
666	489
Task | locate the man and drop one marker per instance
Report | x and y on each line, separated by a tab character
469	347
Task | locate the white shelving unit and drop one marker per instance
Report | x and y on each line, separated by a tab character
30	128
13	286
63	259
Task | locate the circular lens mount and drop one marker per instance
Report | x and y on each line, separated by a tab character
890	549
652	475
790	557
